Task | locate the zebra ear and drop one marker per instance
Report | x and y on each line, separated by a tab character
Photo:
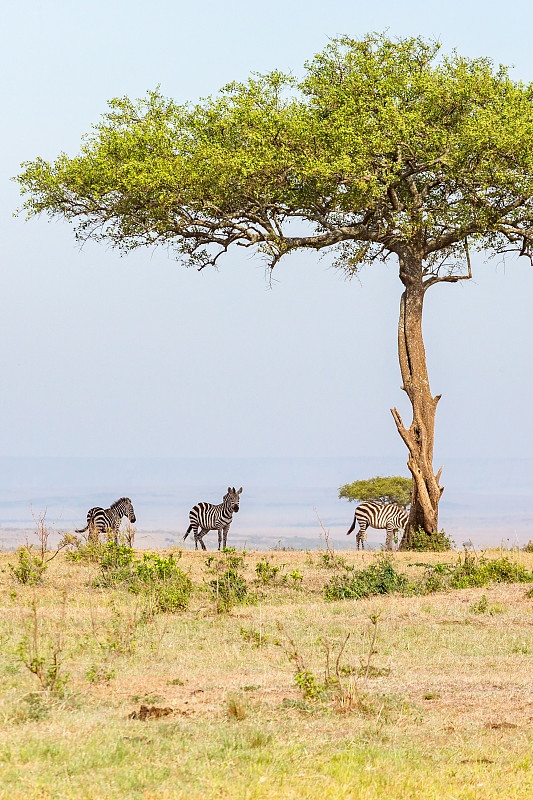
229	488
240	491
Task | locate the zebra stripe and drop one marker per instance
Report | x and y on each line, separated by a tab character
102	520
378	515
209	517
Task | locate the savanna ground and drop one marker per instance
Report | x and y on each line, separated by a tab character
440	707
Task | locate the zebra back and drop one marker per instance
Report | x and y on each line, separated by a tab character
381	515
212	517
100	519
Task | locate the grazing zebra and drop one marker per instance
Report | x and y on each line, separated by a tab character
209	517
100	520
378	515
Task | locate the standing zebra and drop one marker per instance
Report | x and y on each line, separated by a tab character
378	515
101	520
209	517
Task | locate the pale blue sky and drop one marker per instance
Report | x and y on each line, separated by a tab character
137	356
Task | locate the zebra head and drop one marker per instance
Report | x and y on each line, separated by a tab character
232	498
126	508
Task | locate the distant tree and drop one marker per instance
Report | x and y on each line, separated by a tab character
383	149
392	489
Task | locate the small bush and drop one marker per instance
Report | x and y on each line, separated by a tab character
42	653
166	586
101	674
295	576
155	568
309	685
330	560
474	571
80	550
30	568
265	571
169	597
256	637
437	542
379	578
470	571
228	587
116	556
481	607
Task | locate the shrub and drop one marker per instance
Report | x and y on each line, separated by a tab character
528	548
30	568
295	576
330	560
101	674
41	653
437	542
168	597
228	587
481	607
116	556
80	550
310	686
153	567
256	637
166	586
472	571
379	578
265	571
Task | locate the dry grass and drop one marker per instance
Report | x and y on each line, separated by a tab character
446	710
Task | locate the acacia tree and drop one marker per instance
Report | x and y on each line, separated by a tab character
383	149
390	489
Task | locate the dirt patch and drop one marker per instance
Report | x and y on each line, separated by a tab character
500	726
150	712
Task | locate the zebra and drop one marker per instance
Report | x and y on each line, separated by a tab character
378	515
100	520
209	517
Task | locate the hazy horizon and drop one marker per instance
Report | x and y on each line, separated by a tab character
485	500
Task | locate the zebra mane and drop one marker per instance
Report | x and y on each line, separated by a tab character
120	501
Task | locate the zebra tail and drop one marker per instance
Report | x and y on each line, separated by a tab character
82	530
189	529
353	526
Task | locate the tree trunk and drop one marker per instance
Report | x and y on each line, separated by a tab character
419	437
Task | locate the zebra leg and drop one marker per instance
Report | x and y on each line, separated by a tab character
201	537
388	540
360	537
225	532
195	534
219	531
93	534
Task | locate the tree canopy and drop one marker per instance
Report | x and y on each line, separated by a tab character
390	489
382	145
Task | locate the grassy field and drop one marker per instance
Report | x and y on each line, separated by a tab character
435	698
